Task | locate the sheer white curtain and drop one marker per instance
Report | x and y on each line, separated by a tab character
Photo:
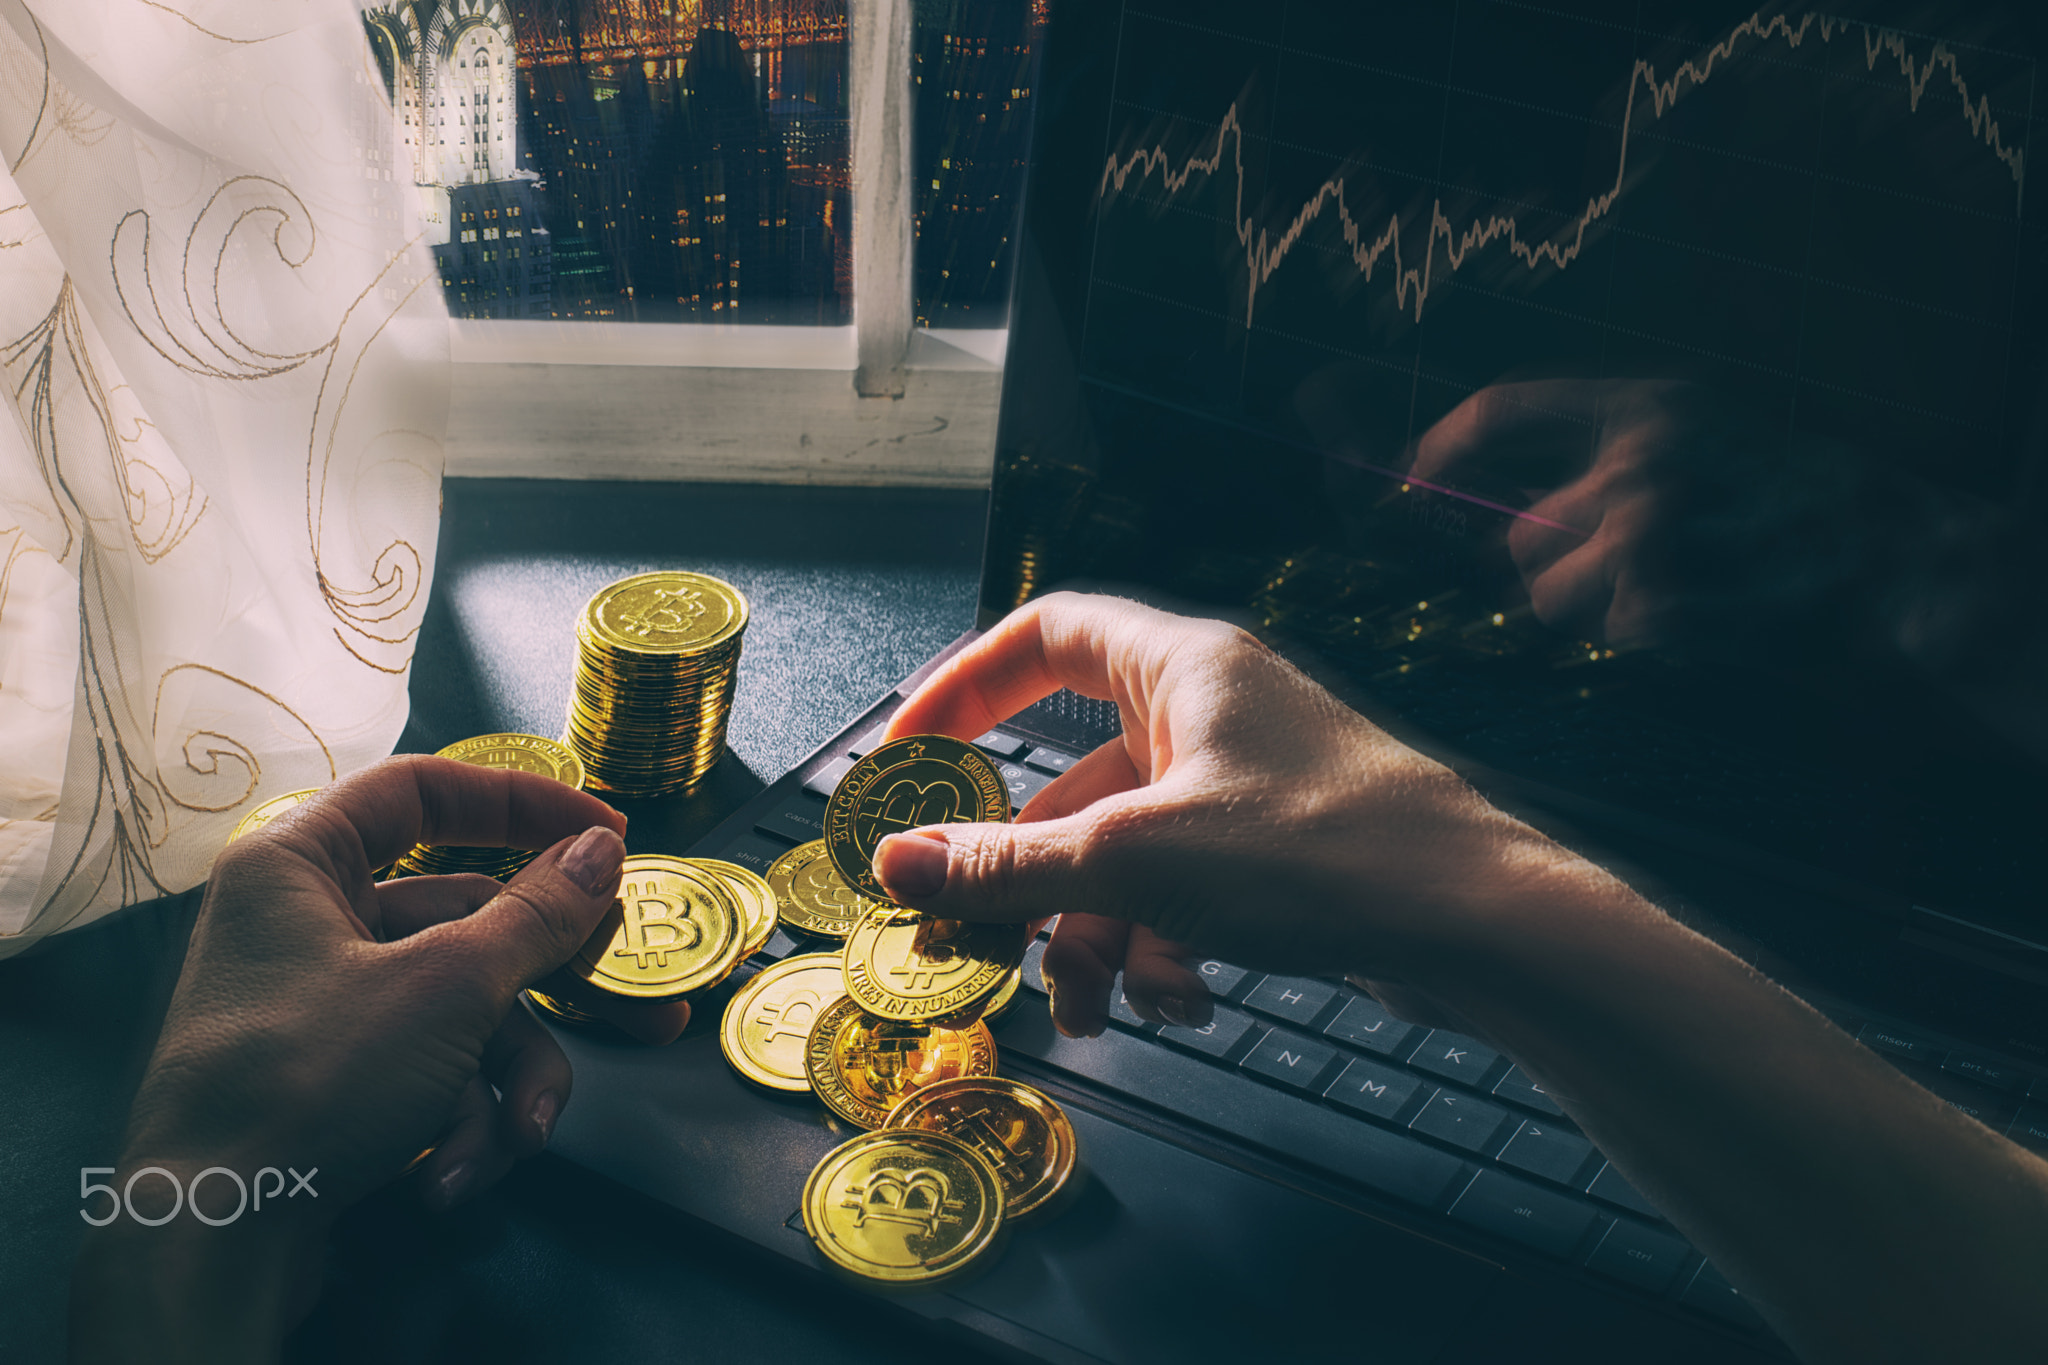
224	355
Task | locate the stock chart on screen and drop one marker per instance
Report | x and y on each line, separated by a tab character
1823	211
1620	392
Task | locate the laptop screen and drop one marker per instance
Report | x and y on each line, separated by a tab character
1641	401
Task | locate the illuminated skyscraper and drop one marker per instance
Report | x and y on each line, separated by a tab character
452	72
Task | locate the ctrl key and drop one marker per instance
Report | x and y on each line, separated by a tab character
1643	1257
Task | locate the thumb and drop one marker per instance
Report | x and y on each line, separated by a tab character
999	873
544	914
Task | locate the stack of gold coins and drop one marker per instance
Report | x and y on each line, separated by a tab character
657	665
513	752
889	1033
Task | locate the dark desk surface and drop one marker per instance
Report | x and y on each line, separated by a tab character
851	591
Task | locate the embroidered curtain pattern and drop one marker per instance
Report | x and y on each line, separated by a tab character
224	362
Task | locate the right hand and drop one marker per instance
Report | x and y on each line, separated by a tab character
1244	813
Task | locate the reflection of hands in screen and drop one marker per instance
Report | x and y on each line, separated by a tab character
1653	516
1600	464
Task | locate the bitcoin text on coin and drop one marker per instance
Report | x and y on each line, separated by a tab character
906	784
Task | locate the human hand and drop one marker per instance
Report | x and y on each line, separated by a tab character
1244	813
323	1022
1600	464
323	1018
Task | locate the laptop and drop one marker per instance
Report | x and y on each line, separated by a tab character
1266	254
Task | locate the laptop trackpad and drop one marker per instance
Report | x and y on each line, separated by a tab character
1168	1256
1162	1255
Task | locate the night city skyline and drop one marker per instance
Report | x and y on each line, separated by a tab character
689	160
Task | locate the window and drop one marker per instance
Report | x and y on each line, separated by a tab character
641	217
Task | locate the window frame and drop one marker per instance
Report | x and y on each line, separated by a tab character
877	402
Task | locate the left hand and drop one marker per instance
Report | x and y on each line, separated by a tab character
330	1025
323	1019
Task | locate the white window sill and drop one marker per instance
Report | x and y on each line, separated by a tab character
573	400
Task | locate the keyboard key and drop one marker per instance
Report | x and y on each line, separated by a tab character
2037	1089
1231	1103
1899	1043
799	820
2030	1129
1519	1087
1290	1059
1364	1024
1993	1111
1000	743
1996	1075
1050	761
1454	1057
752	851
1612	1186
1220	977
1121	1011
868	742
1223	1032
1539	1218
1459	1119
1546	1150
828	776
1643	1257
1370	1088
1993	1108
1296	999
1710	1292
1022	782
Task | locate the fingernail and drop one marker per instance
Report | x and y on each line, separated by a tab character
1173	1011
544	1111
593	861
452	1184
912	865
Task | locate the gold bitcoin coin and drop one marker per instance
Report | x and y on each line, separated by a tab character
759	910
904	1205
863	1067
672	612
1027	1140
674	929
519	753
769	1019
506	752
901	964
270	810
811	894
906	784
558	1008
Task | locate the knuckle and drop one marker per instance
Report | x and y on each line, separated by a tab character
990	864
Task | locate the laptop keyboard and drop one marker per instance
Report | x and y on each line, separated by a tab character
1317	1073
